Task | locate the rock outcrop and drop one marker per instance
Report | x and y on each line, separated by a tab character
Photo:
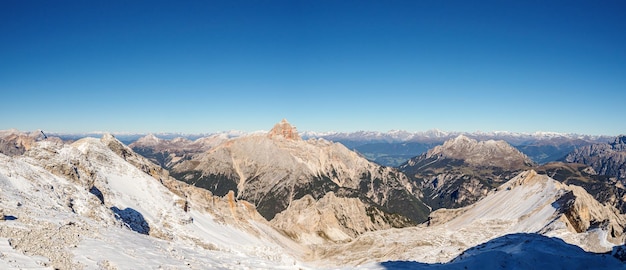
284	130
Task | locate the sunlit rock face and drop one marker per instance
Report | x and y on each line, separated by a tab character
274	170
284	130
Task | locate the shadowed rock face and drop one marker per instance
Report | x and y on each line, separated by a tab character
606	159
132	219
463	170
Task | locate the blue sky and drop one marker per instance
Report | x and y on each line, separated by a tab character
205	66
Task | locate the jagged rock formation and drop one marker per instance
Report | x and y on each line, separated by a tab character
272	171
284	130
463	170
606	159
168	153
605	189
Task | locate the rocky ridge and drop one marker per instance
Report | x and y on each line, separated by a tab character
605	189
605	158
463	170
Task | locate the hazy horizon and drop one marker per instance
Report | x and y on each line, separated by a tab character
211	132
345	66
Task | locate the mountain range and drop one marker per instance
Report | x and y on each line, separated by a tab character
279	171
396	147
283	200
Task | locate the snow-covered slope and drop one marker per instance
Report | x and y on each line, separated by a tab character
518	251
99	211
529	203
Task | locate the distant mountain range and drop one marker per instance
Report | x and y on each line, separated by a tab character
396	147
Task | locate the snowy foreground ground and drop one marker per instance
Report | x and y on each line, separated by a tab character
104	213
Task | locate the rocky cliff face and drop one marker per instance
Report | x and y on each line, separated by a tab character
463	170
284	130
272	171
606	159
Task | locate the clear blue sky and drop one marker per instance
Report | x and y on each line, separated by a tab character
205	66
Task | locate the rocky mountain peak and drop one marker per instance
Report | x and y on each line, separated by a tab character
284	130
481	153
147	140
459	143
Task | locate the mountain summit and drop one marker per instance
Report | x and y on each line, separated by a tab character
484	153
281	172
464	170
285	130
